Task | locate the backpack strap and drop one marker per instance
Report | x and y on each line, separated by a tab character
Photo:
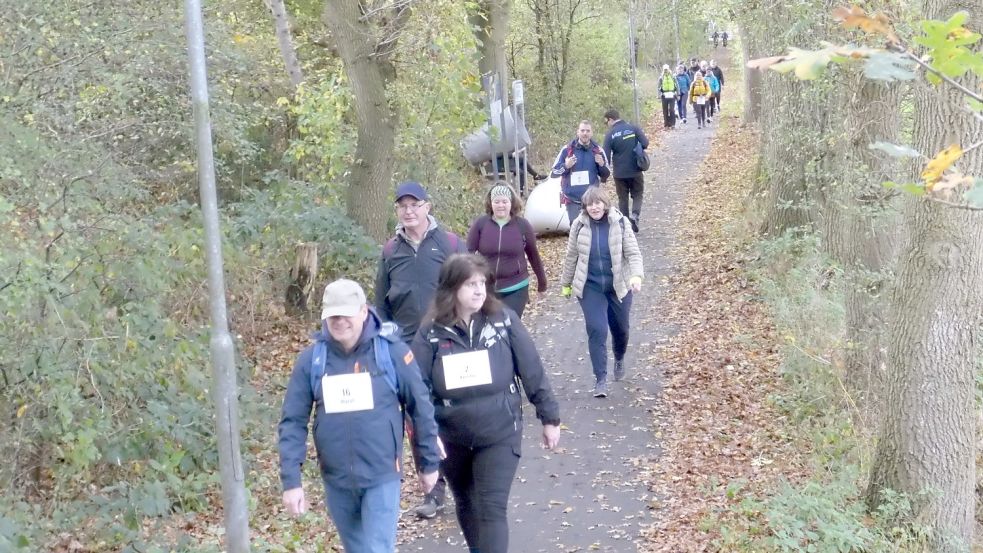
383	358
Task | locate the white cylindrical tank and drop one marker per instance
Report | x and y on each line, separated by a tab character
543	209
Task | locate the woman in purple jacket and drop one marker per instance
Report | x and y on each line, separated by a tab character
506	240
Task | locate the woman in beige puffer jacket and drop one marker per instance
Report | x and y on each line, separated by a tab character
602	267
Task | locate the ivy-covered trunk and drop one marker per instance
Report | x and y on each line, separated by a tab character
927	444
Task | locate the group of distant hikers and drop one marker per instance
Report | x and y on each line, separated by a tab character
442	355
699	84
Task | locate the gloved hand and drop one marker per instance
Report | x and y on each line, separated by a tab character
566	291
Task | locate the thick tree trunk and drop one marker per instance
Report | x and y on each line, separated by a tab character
490	21
282	25
370	73
927	443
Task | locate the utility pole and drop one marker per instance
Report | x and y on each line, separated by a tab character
631	58
225	393
675	20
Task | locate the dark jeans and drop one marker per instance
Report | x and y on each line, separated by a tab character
439	491
701	113
635	187
481	479
516	299
681	107
573	211
716	98
667	110
602	311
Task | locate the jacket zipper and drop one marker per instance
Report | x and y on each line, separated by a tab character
498	259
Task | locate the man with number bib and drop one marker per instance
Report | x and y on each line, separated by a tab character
579	165
356	378
619	145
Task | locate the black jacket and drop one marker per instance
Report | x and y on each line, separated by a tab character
483	415
407	278
619	143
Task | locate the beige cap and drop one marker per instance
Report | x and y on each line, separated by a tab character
342	298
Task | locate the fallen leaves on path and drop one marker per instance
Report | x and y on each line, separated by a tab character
720	437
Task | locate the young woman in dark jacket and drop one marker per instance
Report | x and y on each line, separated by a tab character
507	240
472	352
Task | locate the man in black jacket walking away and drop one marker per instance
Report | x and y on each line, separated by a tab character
619	143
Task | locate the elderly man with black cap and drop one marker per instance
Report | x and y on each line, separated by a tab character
407	280
359	381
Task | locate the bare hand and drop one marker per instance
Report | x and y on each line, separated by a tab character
551	436
635	283
428	481
570	161
599	160
294	501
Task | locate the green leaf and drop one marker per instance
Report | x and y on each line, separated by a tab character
808	64
913	188
889	66
895	150
974	196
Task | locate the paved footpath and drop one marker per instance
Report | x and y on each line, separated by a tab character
588	495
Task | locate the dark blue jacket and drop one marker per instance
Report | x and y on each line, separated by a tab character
600	275
619	143
360	449
585	162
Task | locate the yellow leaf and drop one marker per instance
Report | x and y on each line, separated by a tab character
934	169
854	17
21	410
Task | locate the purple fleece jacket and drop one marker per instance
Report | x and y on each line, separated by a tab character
506	249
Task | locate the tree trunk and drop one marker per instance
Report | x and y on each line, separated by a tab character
302	278
752	80
370	72
860	226
282	25
490	21
927	443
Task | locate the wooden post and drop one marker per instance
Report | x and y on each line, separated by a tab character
302	277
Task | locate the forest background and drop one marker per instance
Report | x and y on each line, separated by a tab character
104	379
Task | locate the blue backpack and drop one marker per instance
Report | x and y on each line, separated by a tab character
380	347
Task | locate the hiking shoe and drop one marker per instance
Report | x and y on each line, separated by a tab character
429	508
684	120
634	224
709	119
601	389
619	370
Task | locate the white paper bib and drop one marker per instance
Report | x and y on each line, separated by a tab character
580	178
668	94
701	100
463	370
344	393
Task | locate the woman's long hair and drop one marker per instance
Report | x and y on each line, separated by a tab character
453	274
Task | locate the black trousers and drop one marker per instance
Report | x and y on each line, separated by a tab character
481	480
634	187
668	108
516	299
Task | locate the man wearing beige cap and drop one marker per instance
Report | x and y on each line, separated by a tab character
356	378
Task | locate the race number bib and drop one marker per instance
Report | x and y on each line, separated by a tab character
580	178
463	370
668	94
701	100
344	393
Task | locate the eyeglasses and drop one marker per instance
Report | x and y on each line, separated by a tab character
403	208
